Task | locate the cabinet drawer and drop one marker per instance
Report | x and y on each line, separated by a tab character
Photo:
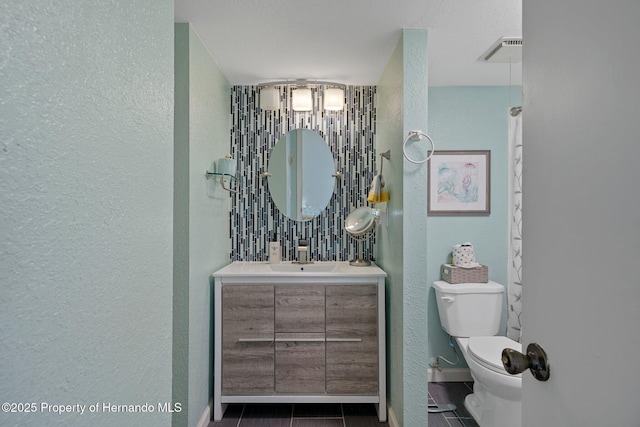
299	308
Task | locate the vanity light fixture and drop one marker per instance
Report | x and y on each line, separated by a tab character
269	98
301	95
301	99
334	99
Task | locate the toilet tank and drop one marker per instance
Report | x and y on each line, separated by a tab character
469	309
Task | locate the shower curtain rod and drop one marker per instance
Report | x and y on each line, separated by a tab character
516	110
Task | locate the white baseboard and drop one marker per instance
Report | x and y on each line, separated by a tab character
449	375
206	415
391	418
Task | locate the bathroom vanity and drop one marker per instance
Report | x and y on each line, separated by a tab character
299	333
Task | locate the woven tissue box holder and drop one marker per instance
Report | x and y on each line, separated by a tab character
453	274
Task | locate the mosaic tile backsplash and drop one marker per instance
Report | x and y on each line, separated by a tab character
350	136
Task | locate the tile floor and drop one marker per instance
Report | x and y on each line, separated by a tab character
345	415
455	393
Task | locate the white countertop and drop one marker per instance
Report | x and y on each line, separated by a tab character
324	269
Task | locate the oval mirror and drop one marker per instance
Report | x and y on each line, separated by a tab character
301	168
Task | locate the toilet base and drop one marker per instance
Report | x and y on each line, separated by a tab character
496	400
491	411
473	406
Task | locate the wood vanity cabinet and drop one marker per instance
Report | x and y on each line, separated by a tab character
299	341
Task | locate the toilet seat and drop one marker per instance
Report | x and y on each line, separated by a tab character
487	351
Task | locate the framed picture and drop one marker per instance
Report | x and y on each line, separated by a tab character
459	183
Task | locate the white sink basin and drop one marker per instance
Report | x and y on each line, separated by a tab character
262	271
321	267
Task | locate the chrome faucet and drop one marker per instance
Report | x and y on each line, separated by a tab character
303	249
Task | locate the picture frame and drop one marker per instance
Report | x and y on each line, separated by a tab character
459	183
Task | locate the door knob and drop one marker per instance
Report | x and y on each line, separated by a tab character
535	360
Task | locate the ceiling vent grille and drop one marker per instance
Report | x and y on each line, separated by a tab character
504	50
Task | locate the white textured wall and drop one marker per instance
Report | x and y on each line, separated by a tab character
86	196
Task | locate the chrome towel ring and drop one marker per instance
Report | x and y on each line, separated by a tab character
416	135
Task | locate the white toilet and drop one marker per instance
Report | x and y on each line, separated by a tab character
471	313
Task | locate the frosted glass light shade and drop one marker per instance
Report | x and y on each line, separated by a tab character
334	99
269	98
301	99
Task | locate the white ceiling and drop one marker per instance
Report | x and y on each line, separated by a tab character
351	41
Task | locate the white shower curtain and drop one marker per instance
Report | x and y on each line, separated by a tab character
514	279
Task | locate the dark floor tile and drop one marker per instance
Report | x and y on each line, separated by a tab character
266	415
438	420
355	414
468	422
360	409
317	422
361	415
309	410
454	422
230	417
461	422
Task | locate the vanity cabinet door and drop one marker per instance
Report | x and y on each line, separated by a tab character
352	339
300	327
300	363
248	339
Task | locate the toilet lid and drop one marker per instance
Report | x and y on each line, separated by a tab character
488	351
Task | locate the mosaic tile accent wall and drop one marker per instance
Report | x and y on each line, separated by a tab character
350	136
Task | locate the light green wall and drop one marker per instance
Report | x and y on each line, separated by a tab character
389	113
415	230
470	118
180	349
201	207
86	189
402	106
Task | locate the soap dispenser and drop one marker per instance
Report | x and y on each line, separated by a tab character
274	249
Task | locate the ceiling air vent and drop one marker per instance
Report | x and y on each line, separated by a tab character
505	50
